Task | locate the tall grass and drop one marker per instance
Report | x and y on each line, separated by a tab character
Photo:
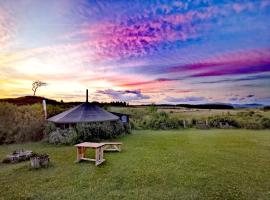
160	120
21	123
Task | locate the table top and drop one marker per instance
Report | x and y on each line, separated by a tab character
112	143
90	144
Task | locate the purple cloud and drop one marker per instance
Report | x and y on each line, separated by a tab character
124	95
243	99
249	78
235	63
154	27
141	83
230	70
191	99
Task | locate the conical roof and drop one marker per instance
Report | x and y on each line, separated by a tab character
86	112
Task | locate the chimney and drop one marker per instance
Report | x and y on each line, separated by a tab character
86	95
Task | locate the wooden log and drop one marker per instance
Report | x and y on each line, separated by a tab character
44	161
35	163
38	161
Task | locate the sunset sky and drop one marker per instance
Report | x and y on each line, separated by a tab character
189	51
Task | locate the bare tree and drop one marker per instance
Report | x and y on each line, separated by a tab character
36	85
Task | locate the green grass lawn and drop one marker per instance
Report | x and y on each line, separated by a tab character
189	164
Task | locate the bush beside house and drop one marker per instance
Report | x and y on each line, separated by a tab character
94	132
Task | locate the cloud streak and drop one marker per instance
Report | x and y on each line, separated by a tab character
249	78
7	29
245	62
124	95
189	99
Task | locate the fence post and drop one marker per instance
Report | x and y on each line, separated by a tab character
184	123
44	108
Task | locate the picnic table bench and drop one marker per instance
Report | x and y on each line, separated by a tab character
98	147
112	146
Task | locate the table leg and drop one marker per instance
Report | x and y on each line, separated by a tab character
99	155
116	147
119	147
83	152
80	153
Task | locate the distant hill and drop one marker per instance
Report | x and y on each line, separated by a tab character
29	100
266	108
207	106
251	105
197	106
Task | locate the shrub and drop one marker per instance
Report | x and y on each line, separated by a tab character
265	122
21	123
266	108
157	121
193	122
95	131
250	124
222	121
56	109
49	127
162	121
100	130
63	136
202	124
127	128
152	108
250	120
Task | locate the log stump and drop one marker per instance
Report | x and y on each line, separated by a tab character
39	160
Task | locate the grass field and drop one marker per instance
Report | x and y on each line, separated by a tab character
183	164
189	113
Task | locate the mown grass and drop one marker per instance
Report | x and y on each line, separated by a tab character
182	164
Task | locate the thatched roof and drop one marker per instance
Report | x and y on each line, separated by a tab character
86	112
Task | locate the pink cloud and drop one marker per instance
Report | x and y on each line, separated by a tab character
142	34
183	91
7	28
151	82
235	70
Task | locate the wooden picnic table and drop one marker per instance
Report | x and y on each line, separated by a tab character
98	147
112	146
